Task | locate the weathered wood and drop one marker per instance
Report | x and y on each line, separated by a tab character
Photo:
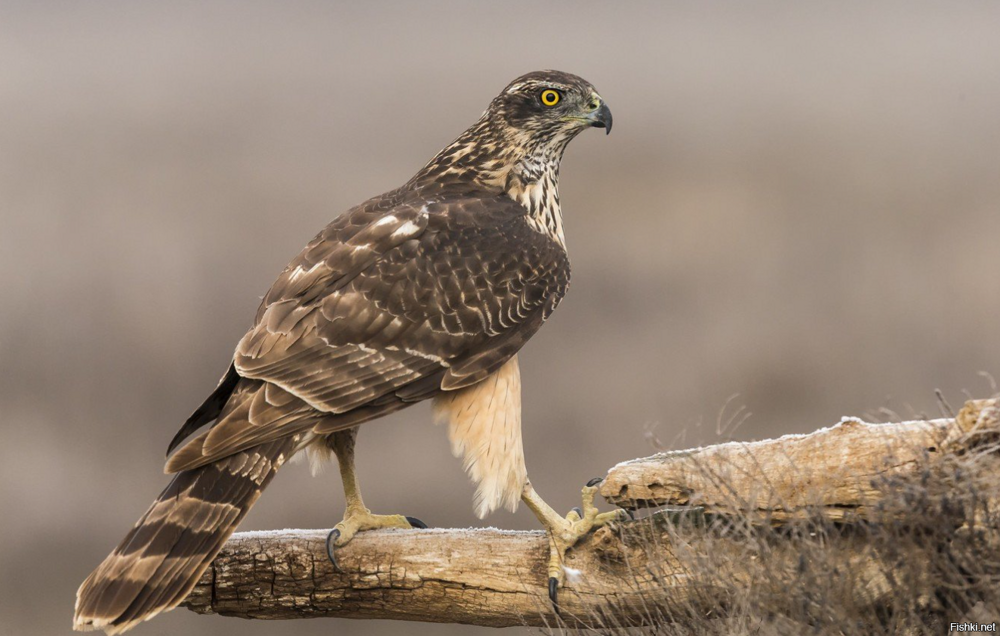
481	577
839	470
478	577
643	572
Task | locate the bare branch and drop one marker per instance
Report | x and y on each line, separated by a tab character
838	470
638	574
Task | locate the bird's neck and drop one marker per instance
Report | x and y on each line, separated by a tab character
535	185
502	160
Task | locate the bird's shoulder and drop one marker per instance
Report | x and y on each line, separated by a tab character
403	287
457	236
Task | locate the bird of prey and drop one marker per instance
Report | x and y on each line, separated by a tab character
425	292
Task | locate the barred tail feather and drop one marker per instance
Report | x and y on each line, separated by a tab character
159	562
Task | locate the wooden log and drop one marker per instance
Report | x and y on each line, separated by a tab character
841	470
658	570
485	577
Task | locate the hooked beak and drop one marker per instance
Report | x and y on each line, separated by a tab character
601	118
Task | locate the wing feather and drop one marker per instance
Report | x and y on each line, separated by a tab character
389	305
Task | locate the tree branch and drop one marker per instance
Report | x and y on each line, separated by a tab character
838	471
645	572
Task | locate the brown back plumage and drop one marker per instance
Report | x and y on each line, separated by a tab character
158	563
428	288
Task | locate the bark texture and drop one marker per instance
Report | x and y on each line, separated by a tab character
840	470
642	572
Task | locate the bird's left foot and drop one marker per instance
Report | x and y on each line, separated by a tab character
565	532
356	521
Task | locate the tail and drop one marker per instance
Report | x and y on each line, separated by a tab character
159	562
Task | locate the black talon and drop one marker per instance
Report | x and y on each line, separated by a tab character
631	515
331	539
579	513
595	481
554	594
416	523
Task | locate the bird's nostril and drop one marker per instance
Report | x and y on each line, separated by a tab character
592	106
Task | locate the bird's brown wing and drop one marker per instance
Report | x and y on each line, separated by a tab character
390	305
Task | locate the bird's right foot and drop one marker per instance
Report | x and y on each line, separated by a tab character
358	520
565	532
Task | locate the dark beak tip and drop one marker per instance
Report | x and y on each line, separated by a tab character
604	119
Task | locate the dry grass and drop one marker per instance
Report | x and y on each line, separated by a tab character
925	556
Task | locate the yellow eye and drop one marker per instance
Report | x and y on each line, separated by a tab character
550	97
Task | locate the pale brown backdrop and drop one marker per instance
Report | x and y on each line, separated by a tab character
800	203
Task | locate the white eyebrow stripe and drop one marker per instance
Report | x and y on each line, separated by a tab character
539	84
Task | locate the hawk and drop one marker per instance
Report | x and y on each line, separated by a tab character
425	292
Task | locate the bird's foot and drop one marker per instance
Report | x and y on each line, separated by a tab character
565	532
358	520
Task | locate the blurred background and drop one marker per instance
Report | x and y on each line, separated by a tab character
799	207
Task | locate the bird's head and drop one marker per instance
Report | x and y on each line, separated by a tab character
522	135
549	105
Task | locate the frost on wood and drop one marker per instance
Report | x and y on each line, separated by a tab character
483	577
647	571
841	470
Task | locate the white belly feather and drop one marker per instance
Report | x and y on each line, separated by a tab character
484	426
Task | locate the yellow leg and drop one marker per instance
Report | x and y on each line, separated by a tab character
565	532
357	517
